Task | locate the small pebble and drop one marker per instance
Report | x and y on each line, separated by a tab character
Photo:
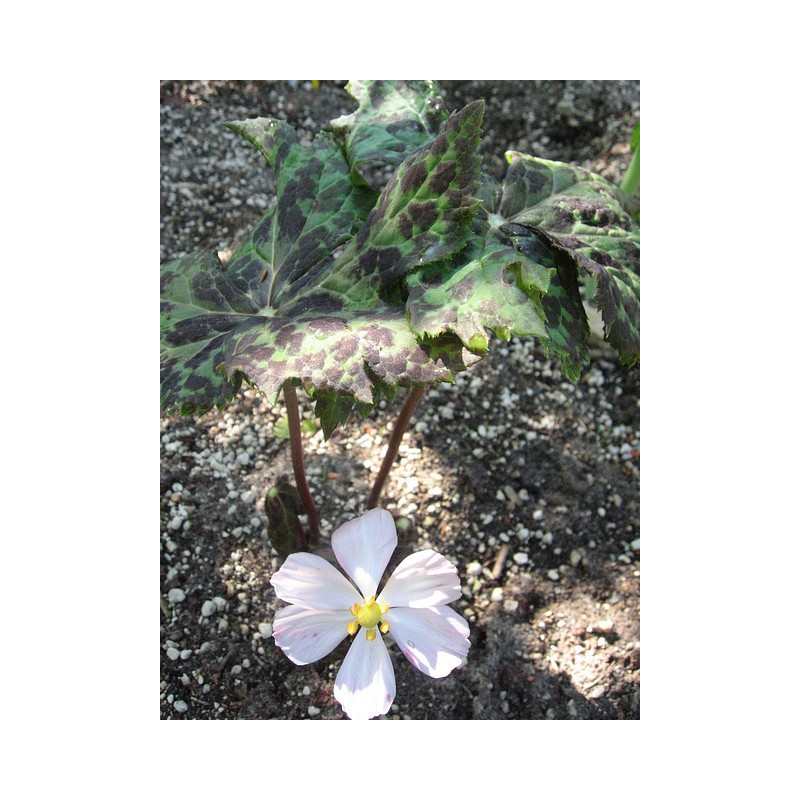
173	653
474	568
176	596
497	594
553	574
180	706
209	607
520	558
597	692
313	711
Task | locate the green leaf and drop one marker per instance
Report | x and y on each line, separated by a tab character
422	215
287	307
493	287
200	305
393	118
283	507
566	323
317	210
582	219
635	138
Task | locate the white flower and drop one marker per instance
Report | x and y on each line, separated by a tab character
326	608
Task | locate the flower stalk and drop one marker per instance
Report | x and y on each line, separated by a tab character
400	426
296	442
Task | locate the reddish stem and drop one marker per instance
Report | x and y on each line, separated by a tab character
414	396
296	441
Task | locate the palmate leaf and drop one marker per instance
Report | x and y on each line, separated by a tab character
393	119
582	219
287	308
490	285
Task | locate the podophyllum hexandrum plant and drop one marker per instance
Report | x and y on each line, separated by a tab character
350	292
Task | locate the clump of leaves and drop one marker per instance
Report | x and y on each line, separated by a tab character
351	292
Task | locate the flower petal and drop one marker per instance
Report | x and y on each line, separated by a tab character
364	546
365	684
422	580
434	640
312	582
305	635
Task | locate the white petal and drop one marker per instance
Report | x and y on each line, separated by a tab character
365	683
422	580
364	546
312	582
434	640
306	635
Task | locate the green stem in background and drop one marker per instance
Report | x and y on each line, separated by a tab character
400	427
296	441
630	183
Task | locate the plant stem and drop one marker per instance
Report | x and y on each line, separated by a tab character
630	183
400	426
296	441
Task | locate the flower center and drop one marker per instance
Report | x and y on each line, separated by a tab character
368	616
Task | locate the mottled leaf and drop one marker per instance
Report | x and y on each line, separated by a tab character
566	323
317	210
290	309
393	118
422	216
581	216
200	304
490	286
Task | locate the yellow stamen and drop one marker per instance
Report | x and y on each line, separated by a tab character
354	609
384	627
384	607
352	626
371	634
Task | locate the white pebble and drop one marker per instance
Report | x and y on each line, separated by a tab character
220	603
520	558
185	654
474	568
209	607
180	706
176	596
497	594
553	574
265	629
172	653
313	711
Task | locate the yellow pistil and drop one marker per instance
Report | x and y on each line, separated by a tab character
368	616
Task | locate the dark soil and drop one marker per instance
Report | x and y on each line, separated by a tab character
529	483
